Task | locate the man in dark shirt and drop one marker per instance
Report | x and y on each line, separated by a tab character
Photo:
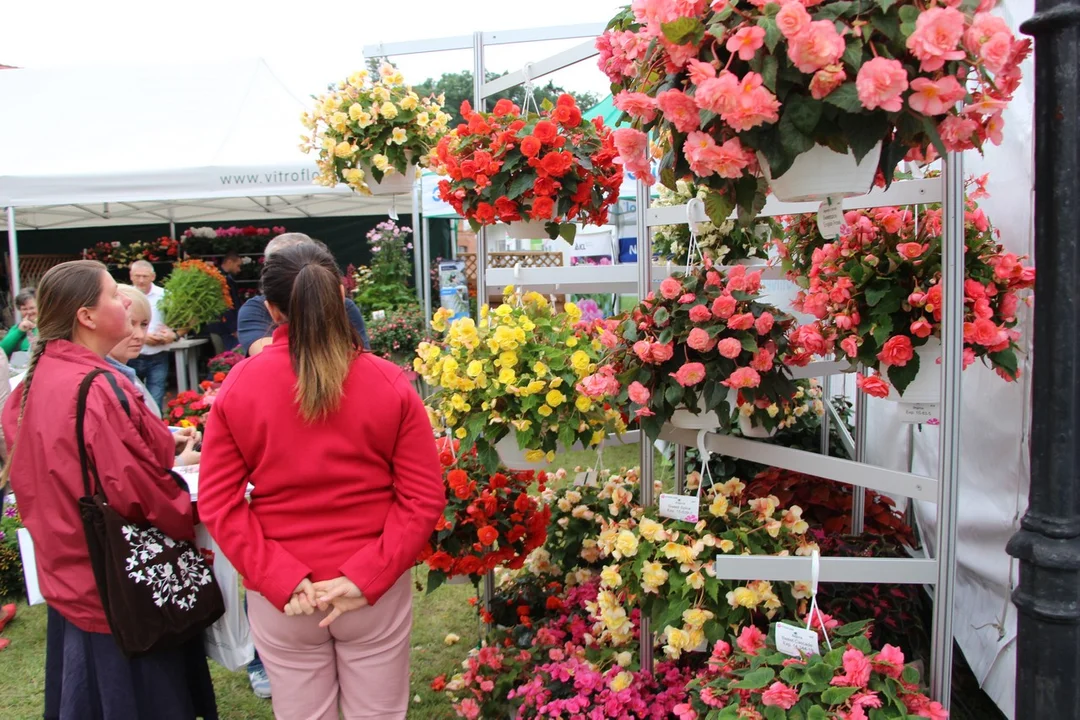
226	327
254	326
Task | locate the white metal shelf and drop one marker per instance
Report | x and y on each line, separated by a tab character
622	278
907	571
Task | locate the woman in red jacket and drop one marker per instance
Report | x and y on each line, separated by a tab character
81	317
347	489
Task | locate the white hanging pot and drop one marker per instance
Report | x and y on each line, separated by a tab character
393	183
820	173
527	230
513	457
926	387
746	424
754	262
687	419
459	580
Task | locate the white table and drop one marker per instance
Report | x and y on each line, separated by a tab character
187	370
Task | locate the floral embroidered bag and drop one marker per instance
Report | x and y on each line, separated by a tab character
157	592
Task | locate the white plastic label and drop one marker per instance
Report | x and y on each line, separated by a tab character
585	478
679	507
796	641
918	413
830	216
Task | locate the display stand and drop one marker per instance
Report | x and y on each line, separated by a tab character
948	190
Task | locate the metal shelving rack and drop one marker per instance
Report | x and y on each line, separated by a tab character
948	190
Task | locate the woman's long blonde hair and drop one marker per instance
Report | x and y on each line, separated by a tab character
304	282
63	291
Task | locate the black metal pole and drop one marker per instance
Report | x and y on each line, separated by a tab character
1048	543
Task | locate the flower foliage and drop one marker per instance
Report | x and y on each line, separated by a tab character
195	293
188	409
750	678
877	288
490	519
705	336
367	128
723	243
524	369
248	239
164	249
386	284
508	166
726	84
397	336
222	364
11	569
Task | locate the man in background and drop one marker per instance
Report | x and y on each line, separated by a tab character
254	326
152	365
226	327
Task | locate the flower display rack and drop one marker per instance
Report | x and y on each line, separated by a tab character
642	277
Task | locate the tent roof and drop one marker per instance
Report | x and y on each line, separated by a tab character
107	145
606	110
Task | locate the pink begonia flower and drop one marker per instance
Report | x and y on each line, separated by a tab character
743	321
633	148
995	52
780	695
742	104
717	94
826	80
921	328
792	19
746	42
699	340
671	288
469	709
687	298
729	348
935	98
763	360
706	157
599	384
880	83
872	385
653	353
700	71
713	279
956	132
743	378
911	250
984	29
750	640
700	313
643	412
764	323
856	669
937	33
723	307
684	711
815	46
850	346
690	373
890	661
639	393
721	650
679	109
637	105
897	350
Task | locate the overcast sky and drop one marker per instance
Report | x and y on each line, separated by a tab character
308	44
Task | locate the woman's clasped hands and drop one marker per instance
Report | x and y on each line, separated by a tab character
339	595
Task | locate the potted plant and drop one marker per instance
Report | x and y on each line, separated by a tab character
514	384
726	244
188	409
750	678
704	353
813	99
538	172
877	293
396	336
490	519
386	283
196	293
371	133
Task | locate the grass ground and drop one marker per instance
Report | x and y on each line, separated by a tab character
22	665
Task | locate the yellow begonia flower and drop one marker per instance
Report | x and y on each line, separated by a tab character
534	387
381	162
580	361
504	310
653	576
555	398
651	530
438	322
422	119
696	617
355	111
695	580
583	403
340	122
409	102
540	369
626	544
680	553
344	149
544	410
507	376
611	578
719	506
353	176
572	311
621	681
571	341
460	433
474	369
534	455
399	136
388	110
555	382
742	597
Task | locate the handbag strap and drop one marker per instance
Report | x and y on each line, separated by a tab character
80	420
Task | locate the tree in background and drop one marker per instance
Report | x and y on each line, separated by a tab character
459	86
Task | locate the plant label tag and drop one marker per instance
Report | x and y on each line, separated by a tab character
702	646
585	478
918	413
830	216
796	641
378	315
679	507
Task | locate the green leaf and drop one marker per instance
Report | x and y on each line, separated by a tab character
803	112
910	675
885	5
718	207
820	673
1005	359
566	435
474	225
768	72
749	344
666	335
684	31
864	131
854	53
519	186
756	679
546	105
568	231
845	97
882	329
774	713
746	188
794	141
661	316
837	695
888	25
674	394
816	712
488	456
832	11
901	376
875	292
434	580
909	14
772	32
932	131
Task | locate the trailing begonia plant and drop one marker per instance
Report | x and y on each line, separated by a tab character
724	244
509	166
877	290
725	85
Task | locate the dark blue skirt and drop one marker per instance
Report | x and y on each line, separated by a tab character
88	678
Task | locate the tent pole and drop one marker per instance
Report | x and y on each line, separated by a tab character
420	239
644	259
13	253
425	259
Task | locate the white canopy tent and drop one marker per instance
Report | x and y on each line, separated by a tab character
94	146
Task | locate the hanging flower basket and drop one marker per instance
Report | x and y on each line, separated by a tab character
747	428
527	230
393	182
926	387
513	457
820	173
687	419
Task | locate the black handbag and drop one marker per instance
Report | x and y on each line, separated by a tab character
158	593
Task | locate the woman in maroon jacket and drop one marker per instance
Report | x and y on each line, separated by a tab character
347	489
81	317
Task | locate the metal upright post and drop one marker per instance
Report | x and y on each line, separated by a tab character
826	420
13	252
952	349
858	494
419	240
1048	542
425	259
680	469
644	259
